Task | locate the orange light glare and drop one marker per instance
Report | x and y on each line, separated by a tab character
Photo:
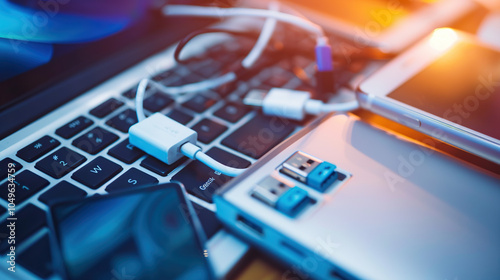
443	38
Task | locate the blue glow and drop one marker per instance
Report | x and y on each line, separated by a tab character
17	57
66	21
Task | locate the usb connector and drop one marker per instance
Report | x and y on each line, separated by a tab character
161	137
279	102
288	200
255	98
300	165
293	104
269	190
168	141
309	170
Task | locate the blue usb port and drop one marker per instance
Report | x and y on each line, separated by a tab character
311	171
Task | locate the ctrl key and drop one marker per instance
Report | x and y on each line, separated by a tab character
60	163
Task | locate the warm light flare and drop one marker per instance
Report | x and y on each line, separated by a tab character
443	38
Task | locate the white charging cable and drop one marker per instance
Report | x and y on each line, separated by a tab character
194	152
169	140
247	62
263	40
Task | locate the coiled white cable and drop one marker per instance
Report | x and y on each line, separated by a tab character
248	62
272	16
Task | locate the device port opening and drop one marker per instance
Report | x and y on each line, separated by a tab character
253	227
337	275
293	249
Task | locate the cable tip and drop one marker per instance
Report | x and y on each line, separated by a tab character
255	98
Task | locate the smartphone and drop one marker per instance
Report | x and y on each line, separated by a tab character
148	233
447	86
387	25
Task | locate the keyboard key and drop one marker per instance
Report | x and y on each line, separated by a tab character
259	135
62	191
159	167
176	82
202	181
106	108
38	258
97	172
164	75
232	112
26	184
199	103
29	220
123	121
206	68
157	102
4	167
208	130
179	116
130	94
74	127
126	152
38	148
60	162
95	140
131	179
226	89
277	81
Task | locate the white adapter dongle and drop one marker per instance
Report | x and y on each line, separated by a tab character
161	137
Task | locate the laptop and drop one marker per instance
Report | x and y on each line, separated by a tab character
68	101
63	88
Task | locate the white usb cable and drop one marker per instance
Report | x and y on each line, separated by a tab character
248	62
169	140
264	37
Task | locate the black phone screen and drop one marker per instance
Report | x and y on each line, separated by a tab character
462	86
146	234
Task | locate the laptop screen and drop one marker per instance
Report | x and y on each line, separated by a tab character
45	41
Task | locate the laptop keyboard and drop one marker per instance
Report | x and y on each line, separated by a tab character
92	150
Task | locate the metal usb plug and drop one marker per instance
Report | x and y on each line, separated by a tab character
288	200
309	170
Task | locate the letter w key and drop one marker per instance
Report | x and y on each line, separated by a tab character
96	169
101	171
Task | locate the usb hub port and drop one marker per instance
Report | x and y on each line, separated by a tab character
311	171
250	225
